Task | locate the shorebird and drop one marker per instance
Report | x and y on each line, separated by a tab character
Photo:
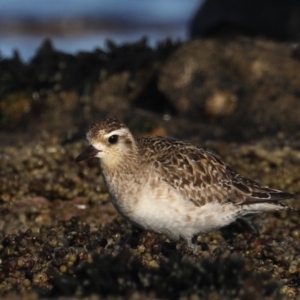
173	187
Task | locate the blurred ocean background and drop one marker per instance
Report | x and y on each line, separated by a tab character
83	25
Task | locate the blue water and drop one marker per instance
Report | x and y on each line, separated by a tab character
155	19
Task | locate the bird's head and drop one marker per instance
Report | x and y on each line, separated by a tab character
111	141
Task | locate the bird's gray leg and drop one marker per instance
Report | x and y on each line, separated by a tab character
192	243
248	225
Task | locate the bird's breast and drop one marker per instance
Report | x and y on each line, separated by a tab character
124	189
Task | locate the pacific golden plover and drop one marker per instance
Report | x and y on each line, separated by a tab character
172	187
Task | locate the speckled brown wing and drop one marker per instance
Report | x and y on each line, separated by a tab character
201	177
198	175
250	192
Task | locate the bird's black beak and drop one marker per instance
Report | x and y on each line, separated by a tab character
88	153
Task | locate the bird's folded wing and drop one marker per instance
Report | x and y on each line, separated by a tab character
196	174
201	177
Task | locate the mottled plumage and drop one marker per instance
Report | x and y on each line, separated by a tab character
202	177
173	187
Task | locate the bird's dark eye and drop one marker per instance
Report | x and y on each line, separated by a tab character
113	139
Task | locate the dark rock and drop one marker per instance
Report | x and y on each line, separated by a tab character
243	87
275	19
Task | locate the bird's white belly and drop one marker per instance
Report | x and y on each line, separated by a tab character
167	212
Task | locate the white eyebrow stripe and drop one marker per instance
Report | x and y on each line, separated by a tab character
121	131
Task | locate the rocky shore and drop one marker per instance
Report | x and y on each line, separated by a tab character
60	236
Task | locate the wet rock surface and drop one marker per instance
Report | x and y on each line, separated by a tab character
240	83
274	19
60	235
